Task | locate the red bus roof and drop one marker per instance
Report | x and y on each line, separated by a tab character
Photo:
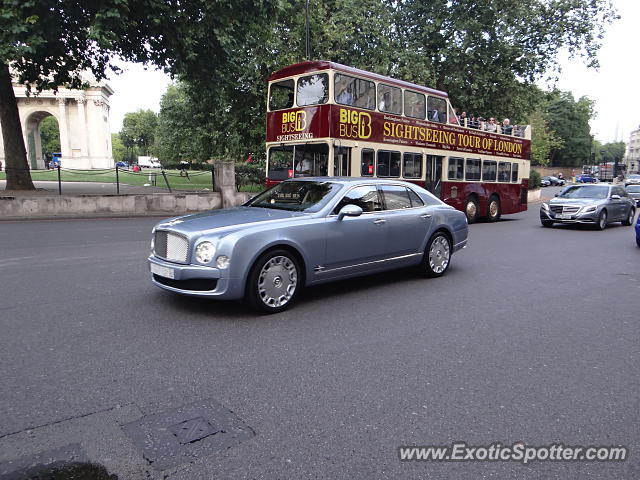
314	66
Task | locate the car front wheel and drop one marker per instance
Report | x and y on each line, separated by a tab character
601	223
437	255
630	217
274	282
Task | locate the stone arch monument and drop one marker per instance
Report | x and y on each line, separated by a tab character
83	120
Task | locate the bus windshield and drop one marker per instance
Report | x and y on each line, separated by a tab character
296	196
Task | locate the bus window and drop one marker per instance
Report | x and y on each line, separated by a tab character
437	109
456	168
514	173
412	165
388	164
313	89
366	169
414	104
489	171
341	161
280	163
504	171
312	160
281	95
355	91
389	99
472	170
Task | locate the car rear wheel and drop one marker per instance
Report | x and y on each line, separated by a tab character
471	210
547	223
493	210
274	282
630	217
601	223
437	255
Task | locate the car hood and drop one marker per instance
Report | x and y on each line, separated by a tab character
225	221
576	201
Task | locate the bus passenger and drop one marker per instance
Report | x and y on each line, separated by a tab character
344	97
506	127
491	126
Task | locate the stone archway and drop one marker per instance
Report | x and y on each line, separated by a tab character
83	120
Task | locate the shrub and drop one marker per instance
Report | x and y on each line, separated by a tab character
249	174
534	180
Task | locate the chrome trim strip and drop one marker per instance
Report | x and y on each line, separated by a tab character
372	263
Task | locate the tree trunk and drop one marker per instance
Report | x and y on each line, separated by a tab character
17	168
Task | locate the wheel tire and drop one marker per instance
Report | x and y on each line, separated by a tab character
547	223
630	217
437	255
493	209
274	282
471	210
601	224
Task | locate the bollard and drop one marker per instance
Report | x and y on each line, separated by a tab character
166	181
117	181
59	182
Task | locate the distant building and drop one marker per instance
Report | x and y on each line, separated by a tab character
632	155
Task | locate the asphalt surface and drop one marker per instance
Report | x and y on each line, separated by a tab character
531	336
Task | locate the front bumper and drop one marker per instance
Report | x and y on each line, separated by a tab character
194	280
587	218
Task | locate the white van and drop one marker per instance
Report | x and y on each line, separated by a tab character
149	162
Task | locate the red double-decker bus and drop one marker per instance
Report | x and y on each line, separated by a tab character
327	119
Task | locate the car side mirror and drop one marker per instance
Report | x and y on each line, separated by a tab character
615	197
557	195
350	210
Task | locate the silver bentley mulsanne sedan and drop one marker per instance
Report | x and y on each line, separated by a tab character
304	232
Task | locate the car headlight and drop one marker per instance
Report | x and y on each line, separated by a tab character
222	262
545	206
589	209
204	252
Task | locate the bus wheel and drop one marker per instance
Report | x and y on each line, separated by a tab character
437	256
493	210
471	210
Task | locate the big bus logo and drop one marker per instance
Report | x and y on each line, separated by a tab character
294	121
354	124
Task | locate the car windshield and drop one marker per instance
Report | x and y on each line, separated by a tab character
633	188
634	177
585	191
296	196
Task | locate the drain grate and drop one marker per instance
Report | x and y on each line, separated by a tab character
173	437
193	430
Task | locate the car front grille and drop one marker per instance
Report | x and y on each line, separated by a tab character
565	209
171	246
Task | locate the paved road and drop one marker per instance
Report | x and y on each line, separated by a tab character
531	336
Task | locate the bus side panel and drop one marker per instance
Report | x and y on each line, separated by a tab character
456	194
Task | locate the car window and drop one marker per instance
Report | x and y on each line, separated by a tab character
416	201
364	196
633	189
619	191
396	197
295	196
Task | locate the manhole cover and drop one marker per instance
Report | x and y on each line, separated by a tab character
193	430
173	437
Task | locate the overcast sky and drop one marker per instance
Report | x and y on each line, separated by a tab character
614	87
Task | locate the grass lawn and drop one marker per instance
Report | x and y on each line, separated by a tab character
197	180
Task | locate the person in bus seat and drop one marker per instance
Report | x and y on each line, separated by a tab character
304	167
473	121
385	102
344	96
462	118
453	118
491	126
506	127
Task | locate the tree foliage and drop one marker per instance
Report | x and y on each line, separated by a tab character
50	135
543	139
138	131
612	152
118	150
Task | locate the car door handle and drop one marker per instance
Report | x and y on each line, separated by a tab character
380	221
425	215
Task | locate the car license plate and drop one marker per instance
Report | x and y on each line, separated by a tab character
565	216
162	271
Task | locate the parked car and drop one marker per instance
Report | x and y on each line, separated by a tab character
634	192
632	180
554	181
586	178
544	182
597	205
122	164
305	232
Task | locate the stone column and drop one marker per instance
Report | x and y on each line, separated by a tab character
63	125
82	127
225	182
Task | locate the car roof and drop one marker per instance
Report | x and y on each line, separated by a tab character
349	180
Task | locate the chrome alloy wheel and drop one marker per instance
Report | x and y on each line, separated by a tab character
277	281
439	254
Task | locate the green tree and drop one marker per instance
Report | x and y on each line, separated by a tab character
612	152
543	139
118	150
48	44
138	130
50	135
570	120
